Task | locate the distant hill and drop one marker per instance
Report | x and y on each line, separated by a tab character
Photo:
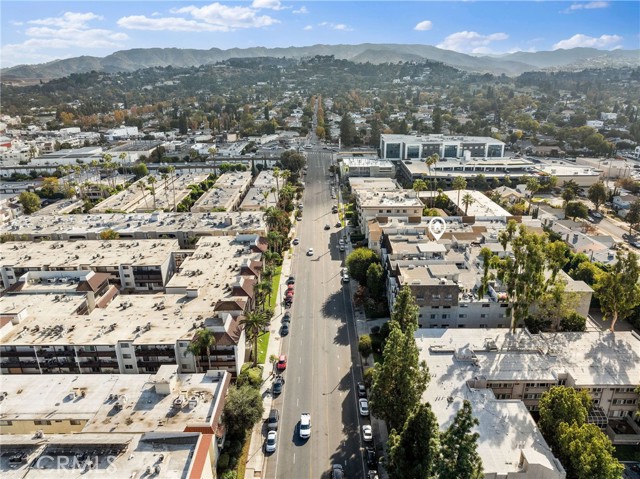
511	64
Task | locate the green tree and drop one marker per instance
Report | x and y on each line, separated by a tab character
139	170
533	185
467	200
293	161
586	452
576	209
254	323
562	404
375	280
364	345
201	344
419	185
347	130
633	216
30	202
597	194
405	310
358	263
431	161
414	451
400	370
242	409
485	255
109	234
459	183
618	289
458	448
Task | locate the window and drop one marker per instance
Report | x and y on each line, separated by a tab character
445	316
126	356
483	316
125	345
504	305
435	296
464	305
447	307
6	423
127	275
449	296
483	326
42	423
432	316
462	316
75	422
486	305
128	366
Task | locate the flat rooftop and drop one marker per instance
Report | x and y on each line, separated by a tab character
113	455
568	170
156	224
137	145
94	253
379	184
359	162
255	198
234	179
373	199
390	138
144	410
482	205
217	197
505	426
265	179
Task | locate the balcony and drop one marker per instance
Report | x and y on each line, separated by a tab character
18	354
170	352
84	353
50	353
623	431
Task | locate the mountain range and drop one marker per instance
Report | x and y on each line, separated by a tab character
508	64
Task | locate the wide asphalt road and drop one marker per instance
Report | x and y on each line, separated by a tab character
321	348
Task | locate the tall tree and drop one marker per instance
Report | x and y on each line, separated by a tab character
347	130
562	404
29	201
358	263
459	183
576	209
413	452
400	371
458	448
254	324
597	194
375	280
533	185
618	289
405	310
431	161
633	216
485	255
242	409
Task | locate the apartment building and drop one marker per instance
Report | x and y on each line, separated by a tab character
372	204
226	194
165	425
522	366
185	227
141	265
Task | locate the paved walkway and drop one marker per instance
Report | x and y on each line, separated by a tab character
255	461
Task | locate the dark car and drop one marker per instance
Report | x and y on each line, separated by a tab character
337	472
327	227
287	317
284	330
278	384
338	225
272	421
291	280
372	460
362	390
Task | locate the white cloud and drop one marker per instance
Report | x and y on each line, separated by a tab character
471	42
301	11
585	6
336	26
170	24
423	25
66	34
268	4
308	27
579	40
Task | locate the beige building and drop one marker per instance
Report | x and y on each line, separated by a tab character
372	204
226	194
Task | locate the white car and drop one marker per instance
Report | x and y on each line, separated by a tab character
305	425
310	252
363	406
272	441
345	278
367	433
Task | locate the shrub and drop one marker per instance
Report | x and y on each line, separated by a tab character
250	376
223	461
364	345
573	322
536	325
367	376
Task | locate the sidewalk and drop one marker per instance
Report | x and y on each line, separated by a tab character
255	460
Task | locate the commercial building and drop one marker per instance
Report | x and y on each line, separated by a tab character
366	167
372	204
185	227
408	147
507	368
164	425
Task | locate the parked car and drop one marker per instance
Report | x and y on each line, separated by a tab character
370	453
363	406
367	433
286	318
282	363
310	252
338	225
273	420
272	440
337	472
345	278
296	241
327	226
284	329
278	384
362	390
291	280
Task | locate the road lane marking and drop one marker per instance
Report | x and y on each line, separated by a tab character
294	457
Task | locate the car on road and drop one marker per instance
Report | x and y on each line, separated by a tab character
341	248
373	475
281	365
635	244
338	224
284	329
291	280
370	454
367	433
345	278
310	252
327	226
305	425
337	472
597	215
273	420
334	209
286	318
362	390
363	407
272	440
278	384
296	241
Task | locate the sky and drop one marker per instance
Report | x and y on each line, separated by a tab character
38	32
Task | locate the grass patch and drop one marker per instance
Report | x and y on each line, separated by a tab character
274	288
244	455
627	453
263	342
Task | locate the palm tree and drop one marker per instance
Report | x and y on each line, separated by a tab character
254	323
122	157
152	181
533	185
265	195
142	186
201	343
212	151
430	161
459	183
276	176
467	200
171	170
